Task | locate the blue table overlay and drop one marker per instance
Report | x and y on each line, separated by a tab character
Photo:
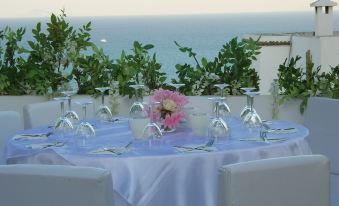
159	175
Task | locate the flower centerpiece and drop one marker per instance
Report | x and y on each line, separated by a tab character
170	108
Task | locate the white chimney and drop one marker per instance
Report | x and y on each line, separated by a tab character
323	17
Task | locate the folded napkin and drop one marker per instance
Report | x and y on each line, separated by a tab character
110	151
195	148
31	136
269	140
282	130
45	145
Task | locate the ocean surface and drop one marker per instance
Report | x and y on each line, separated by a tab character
204	33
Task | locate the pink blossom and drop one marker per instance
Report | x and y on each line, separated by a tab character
171	104
173	120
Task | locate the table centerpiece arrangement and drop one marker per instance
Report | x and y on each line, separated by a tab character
170	110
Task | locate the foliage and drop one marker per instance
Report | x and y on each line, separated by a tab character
52	53
140	67
11	74
295	82
92	71
232	65
332	78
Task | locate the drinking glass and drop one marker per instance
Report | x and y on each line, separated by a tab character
213	112
104	114
152	131
218	129
84	130
224	110
63	125
137	109
176	86
252	120
247	108
71	114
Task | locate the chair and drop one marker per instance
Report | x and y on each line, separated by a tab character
322	119
292	181
55	185
10	122
46	113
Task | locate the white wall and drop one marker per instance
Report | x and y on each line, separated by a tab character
268	64
301	44
329	47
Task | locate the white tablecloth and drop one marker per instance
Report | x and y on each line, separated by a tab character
162	176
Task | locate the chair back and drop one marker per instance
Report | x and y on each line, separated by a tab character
10	123
46	113
55	185
322	119
292	181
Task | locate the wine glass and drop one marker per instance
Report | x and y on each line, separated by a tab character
137	109
63	125
252	120
213	99
152	131
176	86
218	129
84	129
247	108
104	114
70	90
224	110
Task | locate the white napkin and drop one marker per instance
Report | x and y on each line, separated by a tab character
269	140
31	136
282	130
110	151
45	145
195	148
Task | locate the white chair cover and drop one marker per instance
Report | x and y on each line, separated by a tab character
322	119
46	113
55	185
10	123
292	181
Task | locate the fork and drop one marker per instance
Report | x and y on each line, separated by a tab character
112	150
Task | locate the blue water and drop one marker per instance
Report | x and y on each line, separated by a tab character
205	33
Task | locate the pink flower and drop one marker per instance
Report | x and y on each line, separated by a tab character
173	120
171	104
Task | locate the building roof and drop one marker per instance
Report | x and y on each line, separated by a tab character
323	3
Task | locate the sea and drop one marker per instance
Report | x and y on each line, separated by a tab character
204	33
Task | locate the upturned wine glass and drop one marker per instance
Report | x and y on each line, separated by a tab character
252	120
176	86
63	125
103	114
137	109
152	131
218	129
84	130
247	108
224	109
71	114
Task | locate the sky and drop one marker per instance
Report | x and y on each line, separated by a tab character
43	8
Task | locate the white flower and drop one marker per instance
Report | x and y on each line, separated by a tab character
169	105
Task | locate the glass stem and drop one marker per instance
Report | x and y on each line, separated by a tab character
137	95
62	107
103	98
248	101
70	103
84	112
251	103
151	112
222	92
217	109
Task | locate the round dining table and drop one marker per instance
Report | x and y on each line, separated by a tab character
178	170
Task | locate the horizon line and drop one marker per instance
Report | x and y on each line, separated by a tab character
164	15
